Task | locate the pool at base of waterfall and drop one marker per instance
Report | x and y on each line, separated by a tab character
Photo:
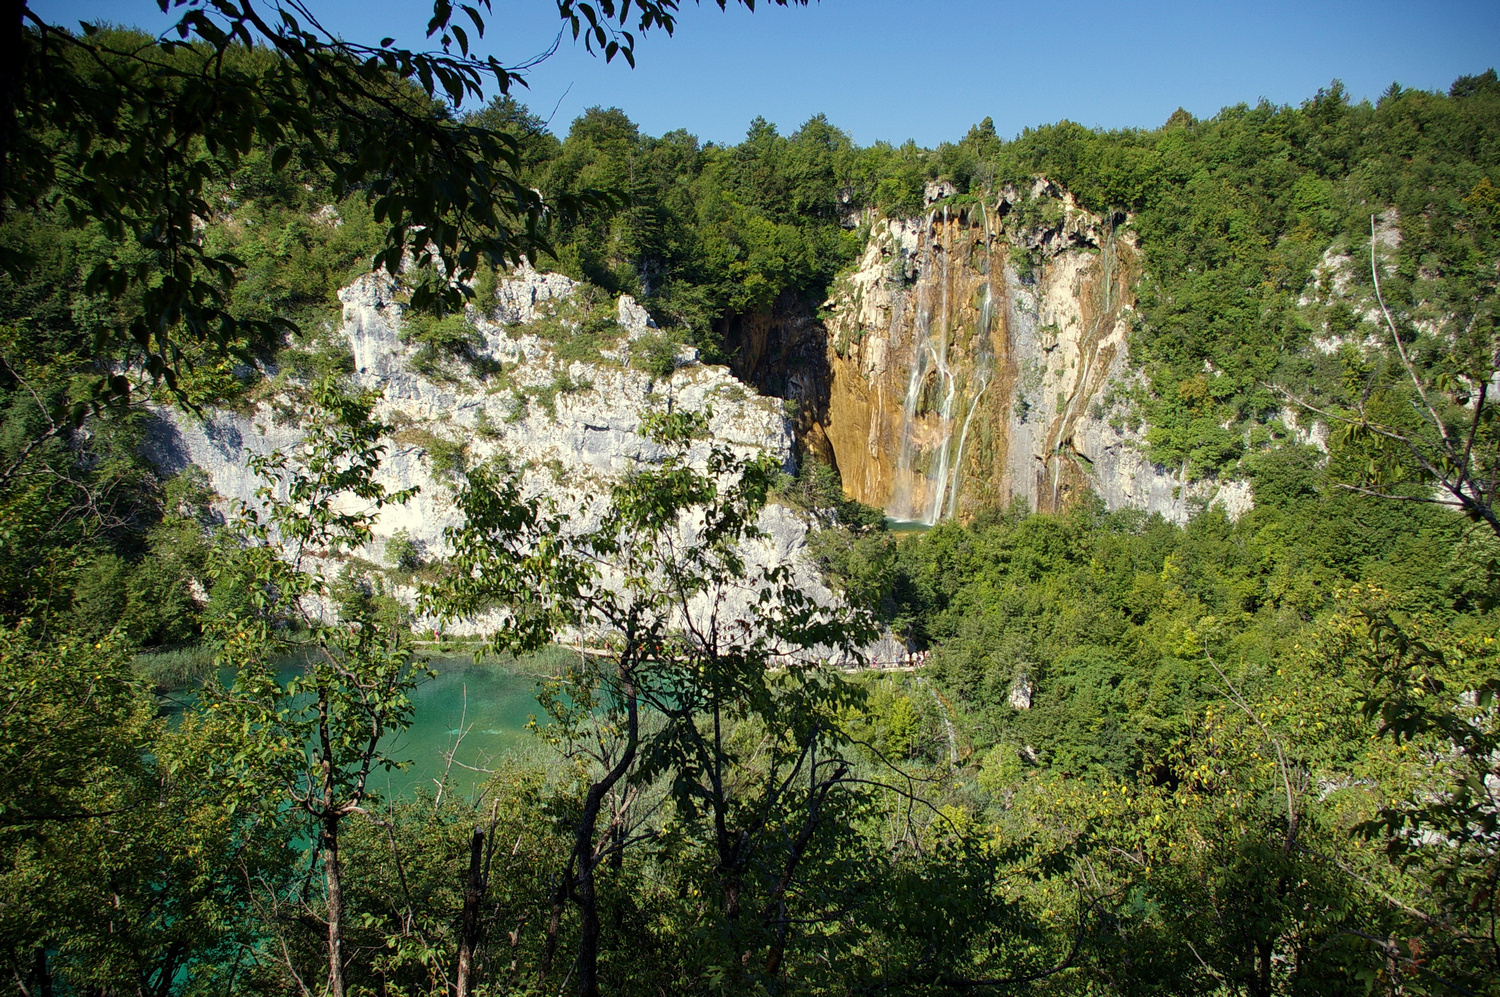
906	526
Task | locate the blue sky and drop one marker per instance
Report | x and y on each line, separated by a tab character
928	69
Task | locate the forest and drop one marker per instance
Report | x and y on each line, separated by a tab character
1232	756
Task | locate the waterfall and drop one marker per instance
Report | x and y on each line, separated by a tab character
984	382
902	503
946	713
949	385
982	362
981	352
927	451
987	309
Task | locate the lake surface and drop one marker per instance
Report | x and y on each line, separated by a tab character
477	712
905	526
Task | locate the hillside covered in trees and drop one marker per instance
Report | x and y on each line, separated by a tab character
1253	755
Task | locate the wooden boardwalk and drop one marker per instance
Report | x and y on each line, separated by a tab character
911	662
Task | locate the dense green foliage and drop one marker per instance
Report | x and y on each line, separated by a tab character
1100	670
1227	757
1143	759
1234	212
710	232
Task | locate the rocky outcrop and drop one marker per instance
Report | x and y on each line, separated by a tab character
978	355
783	352
545	411
573	427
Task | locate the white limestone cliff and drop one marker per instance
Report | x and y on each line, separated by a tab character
572	427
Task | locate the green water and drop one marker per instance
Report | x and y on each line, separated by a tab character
906	526
477	712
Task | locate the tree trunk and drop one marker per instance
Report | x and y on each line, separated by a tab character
332	879
554	925
588	933
775	911
1263	969
584	892
732	899
473	896
43	973
577	881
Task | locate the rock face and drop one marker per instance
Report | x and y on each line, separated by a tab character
975	358
975	355
580	414
573	426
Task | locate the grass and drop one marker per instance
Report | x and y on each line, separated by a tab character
550	660
167	671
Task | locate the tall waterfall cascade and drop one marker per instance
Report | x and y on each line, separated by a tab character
977	356
929	463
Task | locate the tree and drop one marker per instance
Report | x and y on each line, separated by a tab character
130	136
1432	692
402	551
690	642
122	864
320	735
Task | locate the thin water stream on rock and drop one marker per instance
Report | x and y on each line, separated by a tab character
929	463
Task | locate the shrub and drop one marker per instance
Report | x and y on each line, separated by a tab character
443	341
401	551
817	488
446	456
655	353
577	327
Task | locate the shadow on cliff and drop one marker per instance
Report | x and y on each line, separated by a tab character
783	353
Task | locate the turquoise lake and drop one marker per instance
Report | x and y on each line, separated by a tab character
481	710
477	712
